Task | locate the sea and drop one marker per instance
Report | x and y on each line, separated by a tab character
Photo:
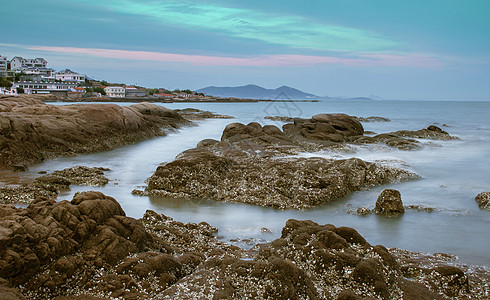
452	174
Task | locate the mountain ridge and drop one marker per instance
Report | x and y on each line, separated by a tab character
253	91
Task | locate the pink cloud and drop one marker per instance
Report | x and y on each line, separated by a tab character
263	60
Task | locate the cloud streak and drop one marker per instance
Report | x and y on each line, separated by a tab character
280	60
286	30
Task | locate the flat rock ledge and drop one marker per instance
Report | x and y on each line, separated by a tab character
88	249
33	131
197	114
249	165
49	185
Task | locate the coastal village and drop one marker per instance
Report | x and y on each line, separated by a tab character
33	76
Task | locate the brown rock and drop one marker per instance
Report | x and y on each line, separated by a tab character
389	203
483	200
33	131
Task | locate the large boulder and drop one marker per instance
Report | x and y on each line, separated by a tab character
389	203
325	127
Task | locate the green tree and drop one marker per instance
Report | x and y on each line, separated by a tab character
20	90
99	90
104	83
4	82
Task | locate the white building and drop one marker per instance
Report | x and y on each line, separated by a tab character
69	75
115	91
39	87
20	63
3	63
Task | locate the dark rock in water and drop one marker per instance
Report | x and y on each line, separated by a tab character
49	186
81	175
373	119
280	118
389	203
197	114
363	211
483	200
420	208
432	132
388	139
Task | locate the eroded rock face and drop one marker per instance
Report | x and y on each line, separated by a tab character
389	203
32	131
483	200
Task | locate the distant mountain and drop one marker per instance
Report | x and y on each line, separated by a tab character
252	91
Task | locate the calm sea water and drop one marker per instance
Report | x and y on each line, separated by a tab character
453	173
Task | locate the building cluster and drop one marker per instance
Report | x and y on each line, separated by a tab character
33	76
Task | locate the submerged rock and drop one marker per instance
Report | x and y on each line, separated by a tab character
389	203
483	200
363	211
373	119
197	114
48	186
432	132
81	175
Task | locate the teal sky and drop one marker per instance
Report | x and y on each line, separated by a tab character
424	50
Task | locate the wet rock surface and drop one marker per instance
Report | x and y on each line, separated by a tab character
373	119
88	249
197	114
483	200
82	175
32	131
248	165
389	203
48	186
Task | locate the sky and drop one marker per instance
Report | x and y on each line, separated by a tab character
406	49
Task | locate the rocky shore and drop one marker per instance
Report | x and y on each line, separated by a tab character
32	131
254	164
88	247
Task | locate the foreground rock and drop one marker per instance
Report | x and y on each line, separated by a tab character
483	200
246	166
88	247
48	186
32	131
389	203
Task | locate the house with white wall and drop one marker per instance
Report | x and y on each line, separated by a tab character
115	91
20	63
3	63
69	75
42	87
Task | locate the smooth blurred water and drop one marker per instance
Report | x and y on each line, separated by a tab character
453	173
